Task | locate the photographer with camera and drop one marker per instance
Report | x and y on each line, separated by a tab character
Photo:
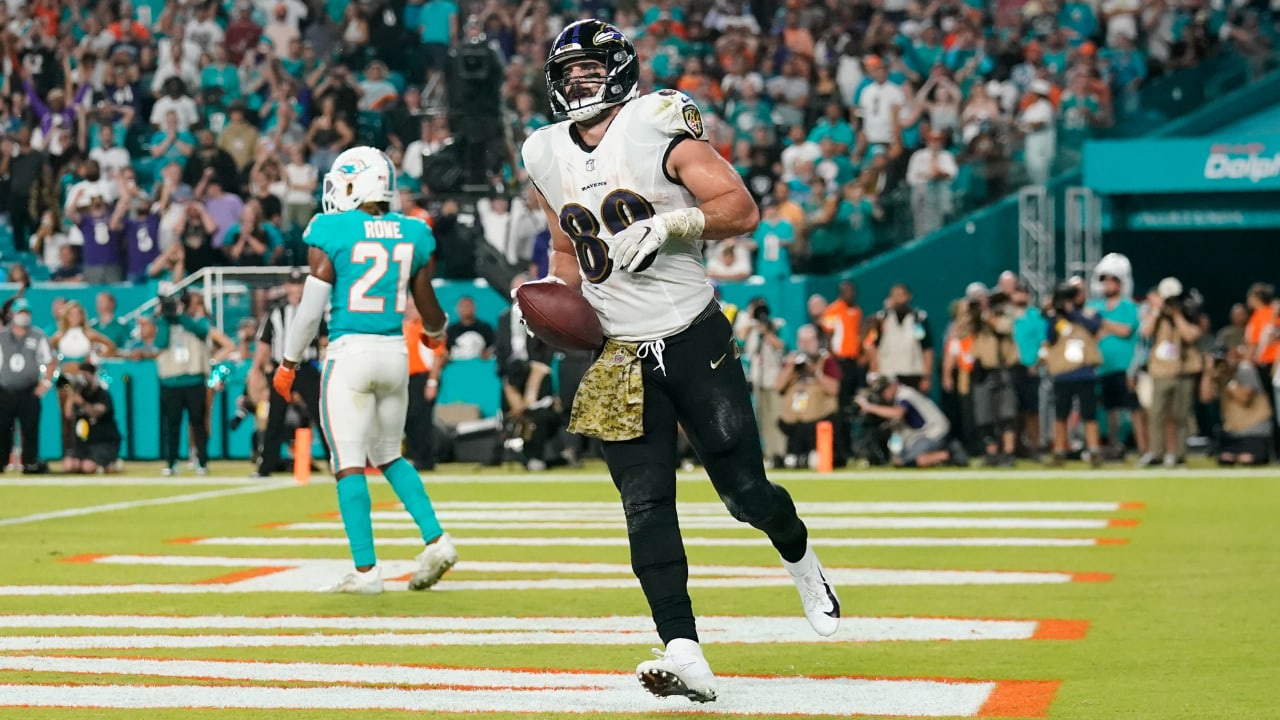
1072	358
917	420
994	379
96	444
764	350
183	367
1172	328
1235	381
810	384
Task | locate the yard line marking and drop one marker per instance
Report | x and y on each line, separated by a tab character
767	631
391	568
524	478
125	480
597	693
553	630
307	574
307	580
805	508
393	521
467	541
151	502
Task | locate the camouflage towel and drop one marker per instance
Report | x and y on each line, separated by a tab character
610	401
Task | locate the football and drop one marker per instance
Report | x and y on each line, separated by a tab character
560	316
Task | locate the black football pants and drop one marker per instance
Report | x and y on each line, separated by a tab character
705	390
307	384
174	401
20	408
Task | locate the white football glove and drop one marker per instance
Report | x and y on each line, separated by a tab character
639	241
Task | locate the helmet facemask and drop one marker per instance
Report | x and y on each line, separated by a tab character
605	44
610	92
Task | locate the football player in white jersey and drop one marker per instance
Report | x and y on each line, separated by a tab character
631	191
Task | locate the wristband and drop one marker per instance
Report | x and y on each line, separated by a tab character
684	224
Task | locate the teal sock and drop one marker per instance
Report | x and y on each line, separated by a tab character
408	486
355	506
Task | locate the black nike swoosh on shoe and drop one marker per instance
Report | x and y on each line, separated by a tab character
835	604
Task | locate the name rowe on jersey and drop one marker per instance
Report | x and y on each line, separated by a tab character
616	202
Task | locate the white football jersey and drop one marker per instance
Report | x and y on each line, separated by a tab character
597	193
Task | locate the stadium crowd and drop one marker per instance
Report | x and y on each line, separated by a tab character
178	135
148	140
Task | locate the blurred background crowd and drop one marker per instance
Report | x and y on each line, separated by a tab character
176	135
149	140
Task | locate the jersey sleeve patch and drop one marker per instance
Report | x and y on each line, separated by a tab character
674	113
693	119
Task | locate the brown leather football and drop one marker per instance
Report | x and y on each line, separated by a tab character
560	316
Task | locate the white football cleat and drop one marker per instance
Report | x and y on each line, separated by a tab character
433	563
359	583
821	606
681	670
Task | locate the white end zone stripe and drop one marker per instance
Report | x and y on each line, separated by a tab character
820	542
508	631
150	502
486	691
808	508
829	697
395	521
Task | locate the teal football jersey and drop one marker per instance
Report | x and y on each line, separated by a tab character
373	259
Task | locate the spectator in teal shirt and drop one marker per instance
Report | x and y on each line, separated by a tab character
170	144
773	237
833	125
1029	331
437	22
218	74
1078	20
1118	340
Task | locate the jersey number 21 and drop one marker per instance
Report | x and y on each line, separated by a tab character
376	257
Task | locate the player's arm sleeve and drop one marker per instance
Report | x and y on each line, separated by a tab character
677	116
306	323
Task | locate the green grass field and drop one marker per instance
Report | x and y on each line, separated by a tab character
1069	595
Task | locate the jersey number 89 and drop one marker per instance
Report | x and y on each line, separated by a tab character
618	210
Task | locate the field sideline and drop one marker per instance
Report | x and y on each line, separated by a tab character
1066	594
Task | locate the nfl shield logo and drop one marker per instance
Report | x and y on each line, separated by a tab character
591	164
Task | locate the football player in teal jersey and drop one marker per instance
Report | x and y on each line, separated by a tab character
365	263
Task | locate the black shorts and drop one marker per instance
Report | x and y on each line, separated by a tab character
1085	391
994	399
911	381
1257	446
1114	392
102	454
1028	385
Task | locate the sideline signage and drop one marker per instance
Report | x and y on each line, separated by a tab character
1135	167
